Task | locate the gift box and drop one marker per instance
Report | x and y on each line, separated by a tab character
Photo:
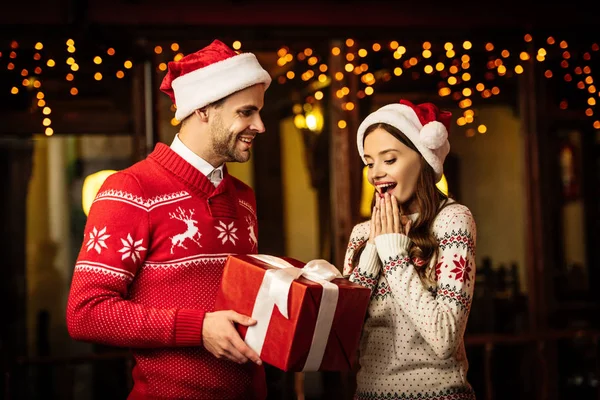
308	317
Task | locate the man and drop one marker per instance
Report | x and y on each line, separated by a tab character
158	235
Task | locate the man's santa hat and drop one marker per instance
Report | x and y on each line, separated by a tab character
210	74
424	125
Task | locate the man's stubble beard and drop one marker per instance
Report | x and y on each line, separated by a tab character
225	143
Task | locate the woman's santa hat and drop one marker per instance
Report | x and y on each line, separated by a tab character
424	125
210	74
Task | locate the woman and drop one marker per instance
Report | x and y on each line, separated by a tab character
417	255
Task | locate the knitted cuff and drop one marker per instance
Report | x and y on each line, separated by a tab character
367	263
367	271
188	327
390	245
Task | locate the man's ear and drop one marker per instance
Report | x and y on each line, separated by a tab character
202	113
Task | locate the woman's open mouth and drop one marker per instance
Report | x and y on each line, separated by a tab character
385	187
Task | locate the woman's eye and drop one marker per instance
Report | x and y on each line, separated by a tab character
370	165
391	161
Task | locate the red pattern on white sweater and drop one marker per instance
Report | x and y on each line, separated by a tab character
155	244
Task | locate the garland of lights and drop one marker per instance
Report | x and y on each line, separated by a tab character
453	68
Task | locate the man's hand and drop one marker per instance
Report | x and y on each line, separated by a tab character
223	341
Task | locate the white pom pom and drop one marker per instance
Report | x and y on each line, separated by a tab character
433	135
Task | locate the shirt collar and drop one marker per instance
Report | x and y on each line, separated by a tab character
188	155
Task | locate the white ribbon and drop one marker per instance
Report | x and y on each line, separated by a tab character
274	291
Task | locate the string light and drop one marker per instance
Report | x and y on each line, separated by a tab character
452	73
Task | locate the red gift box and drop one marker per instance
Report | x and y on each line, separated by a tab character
288	343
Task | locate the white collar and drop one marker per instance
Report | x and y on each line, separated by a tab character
413	217
188	155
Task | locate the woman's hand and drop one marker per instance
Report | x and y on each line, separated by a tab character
375	225
387	217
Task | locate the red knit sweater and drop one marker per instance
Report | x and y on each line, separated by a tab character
155	244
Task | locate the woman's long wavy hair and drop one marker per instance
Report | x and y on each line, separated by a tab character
429	202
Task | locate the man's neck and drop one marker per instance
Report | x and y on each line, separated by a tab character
200	147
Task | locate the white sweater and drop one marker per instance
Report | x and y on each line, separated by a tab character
412	343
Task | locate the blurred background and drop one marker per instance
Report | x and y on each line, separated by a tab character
79	94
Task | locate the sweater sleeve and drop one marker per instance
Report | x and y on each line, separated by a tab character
115	245
366	273
440	317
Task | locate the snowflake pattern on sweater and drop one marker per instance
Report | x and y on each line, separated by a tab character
156	241
412	343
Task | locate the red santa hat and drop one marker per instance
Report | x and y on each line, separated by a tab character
424	124
210	74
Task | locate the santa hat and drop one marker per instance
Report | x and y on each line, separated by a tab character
424	124
210	74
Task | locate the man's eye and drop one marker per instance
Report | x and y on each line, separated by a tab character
246	113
